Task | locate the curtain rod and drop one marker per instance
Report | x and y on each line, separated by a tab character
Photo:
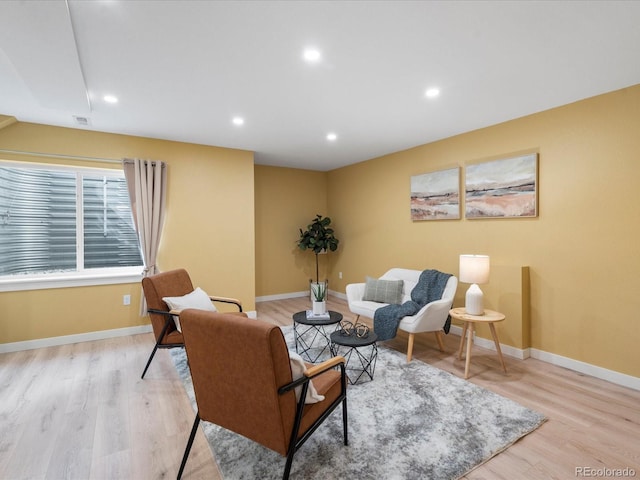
56	155
129	161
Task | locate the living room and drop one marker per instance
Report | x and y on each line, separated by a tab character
233	224
580	240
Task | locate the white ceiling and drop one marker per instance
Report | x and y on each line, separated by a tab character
183	69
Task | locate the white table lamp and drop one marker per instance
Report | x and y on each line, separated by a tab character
474	269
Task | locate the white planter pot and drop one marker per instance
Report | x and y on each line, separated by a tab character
319	308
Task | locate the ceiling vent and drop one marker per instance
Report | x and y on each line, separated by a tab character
82	121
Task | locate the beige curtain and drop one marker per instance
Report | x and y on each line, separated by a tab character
147	183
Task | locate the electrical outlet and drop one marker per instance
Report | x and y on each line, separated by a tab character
340	275
126	300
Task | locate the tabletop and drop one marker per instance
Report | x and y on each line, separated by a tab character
301	317
489	316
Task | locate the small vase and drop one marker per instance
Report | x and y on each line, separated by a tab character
319	308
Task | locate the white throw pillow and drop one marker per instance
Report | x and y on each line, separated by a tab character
196	299
297	370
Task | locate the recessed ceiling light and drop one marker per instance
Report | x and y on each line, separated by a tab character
238	121
110	99
432	92
332	137
312	55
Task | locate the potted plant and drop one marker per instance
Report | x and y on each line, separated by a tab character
319	290
319	238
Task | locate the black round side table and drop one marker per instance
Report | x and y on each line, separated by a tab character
310	336
360	353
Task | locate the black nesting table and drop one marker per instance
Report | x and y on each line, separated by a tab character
360	353
311	337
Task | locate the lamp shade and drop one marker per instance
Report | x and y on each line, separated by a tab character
474	269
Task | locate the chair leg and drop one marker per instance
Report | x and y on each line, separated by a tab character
440	342
155	348
410	347
344	421
194	429
287	465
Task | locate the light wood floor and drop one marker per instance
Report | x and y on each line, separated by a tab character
81	411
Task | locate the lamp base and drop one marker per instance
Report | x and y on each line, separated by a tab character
474	301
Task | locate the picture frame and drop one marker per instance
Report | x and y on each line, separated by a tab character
436	195
503	188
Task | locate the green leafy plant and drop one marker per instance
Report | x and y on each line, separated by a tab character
319	238
319	291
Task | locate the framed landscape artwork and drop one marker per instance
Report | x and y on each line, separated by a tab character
503	188
436	195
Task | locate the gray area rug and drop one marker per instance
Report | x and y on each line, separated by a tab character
413	421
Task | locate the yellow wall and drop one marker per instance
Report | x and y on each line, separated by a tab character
209	229
582	250
287	199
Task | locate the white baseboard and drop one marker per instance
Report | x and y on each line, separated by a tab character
340	295
67	339
283	296
507	350
587	369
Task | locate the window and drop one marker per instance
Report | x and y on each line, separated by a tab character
65	222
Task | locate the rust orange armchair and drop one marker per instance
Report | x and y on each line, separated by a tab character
243	381
173	283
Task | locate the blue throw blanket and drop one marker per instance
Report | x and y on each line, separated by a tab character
429	288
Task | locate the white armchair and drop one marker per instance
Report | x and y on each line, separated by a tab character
430	318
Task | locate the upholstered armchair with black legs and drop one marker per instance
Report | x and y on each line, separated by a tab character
174	287
243	381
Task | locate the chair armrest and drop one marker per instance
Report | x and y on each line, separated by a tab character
177	313
430	317
355	291
324	366
163	312
314	371
234	301
437	306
